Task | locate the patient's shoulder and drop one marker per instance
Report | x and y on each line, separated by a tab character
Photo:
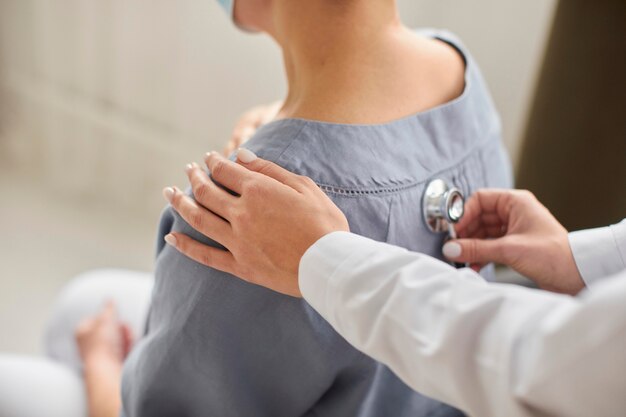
446	68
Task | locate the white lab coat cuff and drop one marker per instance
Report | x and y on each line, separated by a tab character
599	253
324	262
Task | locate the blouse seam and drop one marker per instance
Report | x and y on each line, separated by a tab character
296	137
387	190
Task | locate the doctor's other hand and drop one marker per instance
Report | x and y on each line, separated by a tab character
249	123
266	229
513	228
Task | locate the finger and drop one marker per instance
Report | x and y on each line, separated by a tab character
491	219
227	173
486	208
246	128
229	148
201	219
206	255
84	326
108	312
468	228
209	194
489	199
482	204
127	338
474	251
472	216
248	159
248	131
478	234
272	111
494	232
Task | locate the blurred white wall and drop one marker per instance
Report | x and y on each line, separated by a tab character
102	102
106	100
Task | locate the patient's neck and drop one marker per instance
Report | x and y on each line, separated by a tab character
336	54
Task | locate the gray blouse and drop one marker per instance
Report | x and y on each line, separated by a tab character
218	346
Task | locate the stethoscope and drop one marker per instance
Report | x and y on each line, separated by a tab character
443	206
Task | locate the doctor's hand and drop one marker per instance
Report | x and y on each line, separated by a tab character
249	123
513	228
266	228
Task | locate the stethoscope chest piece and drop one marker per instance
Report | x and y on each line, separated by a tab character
442	206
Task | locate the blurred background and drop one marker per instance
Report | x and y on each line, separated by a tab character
103	102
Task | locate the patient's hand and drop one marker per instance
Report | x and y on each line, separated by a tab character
249	123
103	337
103	342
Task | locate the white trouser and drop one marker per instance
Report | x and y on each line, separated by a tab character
52	386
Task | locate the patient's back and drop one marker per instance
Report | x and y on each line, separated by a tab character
218	346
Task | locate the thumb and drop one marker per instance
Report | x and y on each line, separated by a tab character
248	159
474	251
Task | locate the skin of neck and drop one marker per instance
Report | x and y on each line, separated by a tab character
336	52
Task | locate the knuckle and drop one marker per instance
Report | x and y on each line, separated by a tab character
176	199
471	250
525	194
265	167
197	220
206	259
218	168
307	182
251	188
241	217
200	191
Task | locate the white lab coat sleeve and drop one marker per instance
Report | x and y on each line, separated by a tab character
599	253
488	349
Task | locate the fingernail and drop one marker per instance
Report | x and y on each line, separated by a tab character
168	193
452	250
170	239
188	168
246	156
214	154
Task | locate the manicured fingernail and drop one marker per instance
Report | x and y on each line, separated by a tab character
188	168
452	250
169	193
212	154
246	156
170	239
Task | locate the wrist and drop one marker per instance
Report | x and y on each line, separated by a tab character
99	359
572	274
566	278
